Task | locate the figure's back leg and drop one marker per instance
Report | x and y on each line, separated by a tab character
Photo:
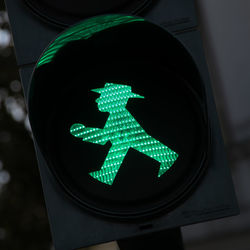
111	165
158	151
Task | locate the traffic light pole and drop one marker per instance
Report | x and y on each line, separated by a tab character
167	239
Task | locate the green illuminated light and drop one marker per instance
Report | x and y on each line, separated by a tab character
124	132
84	30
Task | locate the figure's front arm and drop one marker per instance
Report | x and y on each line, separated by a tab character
93	135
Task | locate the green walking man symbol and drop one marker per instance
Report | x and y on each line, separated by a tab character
123	131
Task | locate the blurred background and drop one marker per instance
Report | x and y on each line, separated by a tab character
225	27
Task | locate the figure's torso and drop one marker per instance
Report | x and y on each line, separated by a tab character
121	127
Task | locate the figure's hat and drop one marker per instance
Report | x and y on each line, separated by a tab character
117	89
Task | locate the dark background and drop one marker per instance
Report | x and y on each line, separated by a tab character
23	219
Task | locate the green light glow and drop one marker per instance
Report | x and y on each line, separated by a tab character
124	132
84	30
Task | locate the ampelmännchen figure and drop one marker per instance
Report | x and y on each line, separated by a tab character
124	132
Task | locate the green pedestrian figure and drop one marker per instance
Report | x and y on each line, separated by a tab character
124	132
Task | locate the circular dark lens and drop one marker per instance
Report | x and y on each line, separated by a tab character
122	122
64	12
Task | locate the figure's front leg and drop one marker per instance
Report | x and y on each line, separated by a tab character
93	135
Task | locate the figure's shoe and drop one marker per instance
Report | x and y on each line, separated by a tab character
165	166
104	176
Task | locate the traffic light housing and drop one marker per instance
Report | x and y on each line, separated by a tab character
177	111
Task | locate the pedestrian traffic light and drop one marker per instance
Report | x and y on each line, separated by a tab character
125	128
